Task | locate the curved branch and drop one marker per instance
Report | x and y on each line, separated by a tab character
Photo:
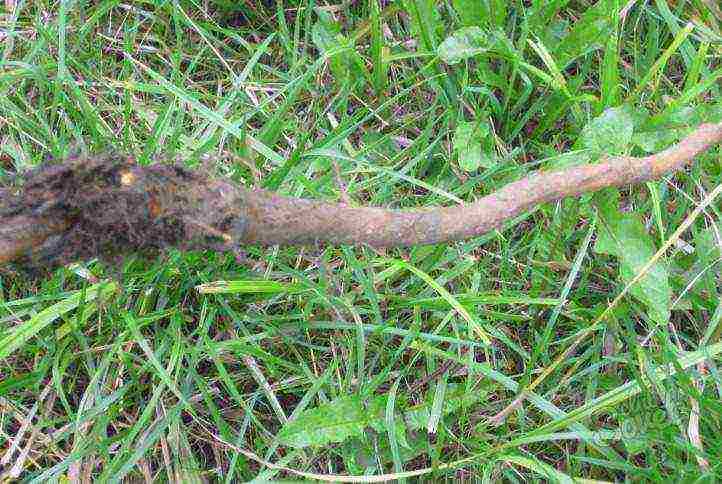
100	206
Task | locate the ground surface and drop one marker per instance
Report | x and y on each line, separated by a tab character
342	361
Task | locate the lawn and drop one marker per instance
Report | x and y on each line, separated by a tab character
580	341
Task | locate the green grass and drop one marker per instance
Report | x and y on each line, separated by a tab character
603	312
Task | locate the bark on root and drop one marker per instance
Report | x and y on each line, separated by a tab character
105	206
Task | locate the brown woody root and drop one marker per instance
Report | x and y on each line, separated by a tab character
110	205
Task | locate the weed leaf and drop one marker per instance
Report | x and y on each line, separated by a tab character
610	132
473	145
336	421
350	416
587	34
463	44
624	236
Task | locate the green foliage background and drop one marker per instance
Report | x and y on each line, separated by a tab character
306	363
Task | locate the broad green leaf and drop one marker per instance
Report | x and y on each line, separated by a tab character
473	145
587	34
338	420
14	338
349	416
327	37
416	418
464	44
367	453
657	140
624	236
343	59
610	132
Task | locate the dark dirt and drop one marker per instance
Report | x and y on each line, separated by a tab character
109	205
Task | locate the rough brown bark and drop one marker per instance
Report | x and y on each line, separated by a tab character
108	205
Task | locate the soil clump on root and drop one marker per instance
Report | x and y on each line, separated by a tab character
105	206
